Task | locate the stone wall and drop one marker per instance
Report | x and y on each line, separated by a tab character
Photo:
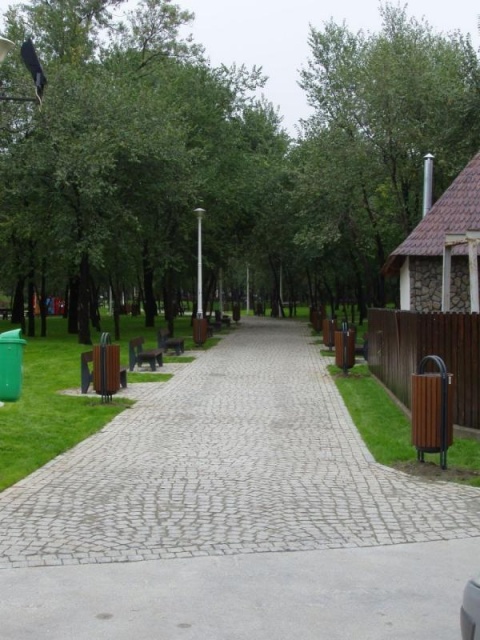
426	284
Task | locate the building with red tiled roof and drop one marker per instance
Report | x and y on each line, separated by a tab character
419	260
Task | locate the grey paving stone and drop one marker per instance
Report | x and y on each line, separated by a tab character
248	449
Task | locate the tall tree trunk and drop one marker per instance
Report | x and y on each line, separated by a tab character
312	300
380	254
209	294
66	302
331	297
149	303
43	304
18	313
116	295
73	305
31	306
84	336
169	300
277	305
94	310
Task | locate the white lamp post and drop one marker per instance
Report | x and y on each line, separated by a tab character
199	213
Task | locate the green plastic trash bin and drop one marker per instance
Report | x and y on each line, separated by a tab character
11	365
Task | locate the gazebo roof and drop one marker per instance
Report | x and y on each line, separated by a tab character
457	211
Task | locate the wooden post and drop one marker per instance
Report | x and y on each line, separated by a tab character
473	238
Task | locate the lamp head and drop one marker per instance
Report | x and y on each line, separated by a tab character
5	47
29	57
199	213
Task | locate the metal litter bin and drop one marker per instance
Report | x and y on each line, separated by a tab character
11	365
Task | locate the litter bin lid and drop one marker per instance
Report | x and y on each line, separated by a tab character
12	336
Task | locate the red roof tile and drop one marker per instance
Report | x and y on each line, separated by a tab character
457	211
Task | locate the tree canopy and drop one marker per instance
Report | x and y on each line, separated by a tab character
136	129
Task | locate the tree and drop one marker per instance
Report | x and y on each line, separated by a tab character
381	103
81	134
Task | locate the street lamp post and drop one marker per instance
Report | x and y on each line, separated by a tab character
199	323
199	213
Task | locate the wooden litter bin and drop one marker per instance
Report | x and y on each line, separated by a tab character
328	332
200	330
427	412
345	349
316	320
106	368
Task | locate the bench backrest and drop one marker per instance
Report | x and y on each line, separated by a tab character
137	344
86	357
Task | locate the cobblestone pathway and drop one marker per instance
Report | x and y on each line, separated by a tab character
248	449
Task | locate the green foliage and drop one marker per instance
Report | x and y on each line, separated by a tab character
382	101
137	129
43	423
372	410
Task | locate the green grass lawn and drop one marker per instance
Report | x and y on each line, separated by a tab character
44	423
386	430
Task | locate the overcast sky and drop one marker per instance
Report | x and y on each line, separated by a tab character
273	34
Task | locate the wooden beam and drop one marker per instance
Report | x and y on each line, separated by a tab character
473	238
446	276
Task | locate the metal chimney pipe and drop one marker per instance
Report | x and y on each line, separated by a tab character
428	184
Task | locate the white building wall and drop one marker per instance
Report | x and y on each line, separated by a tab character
405	299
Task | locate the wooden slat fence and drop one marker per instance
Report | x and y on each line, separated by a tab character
398	340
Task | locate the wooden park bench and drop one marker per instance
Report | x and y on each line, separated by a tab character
138	356
362	349
222	320
164	341
86	373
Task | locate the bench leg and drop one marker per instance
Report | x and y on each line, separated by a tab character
87	379
86	384
123	379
